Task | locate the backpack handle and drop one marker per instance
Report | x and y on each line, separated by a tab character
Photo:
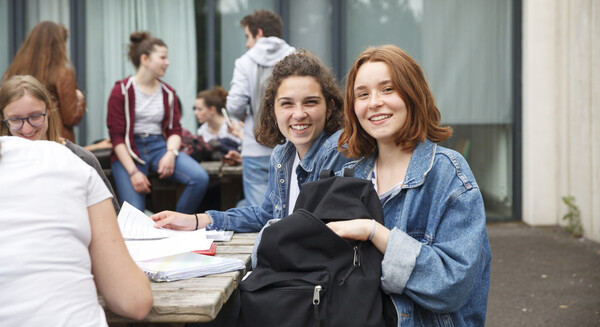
326	173
348	172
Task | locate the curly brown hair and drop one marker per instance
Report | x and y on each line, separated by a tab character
43	55
423	116
299	64
269	22
142	44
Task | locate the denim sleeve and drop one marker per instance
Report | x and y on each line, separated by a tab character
246	219
242	220
440	273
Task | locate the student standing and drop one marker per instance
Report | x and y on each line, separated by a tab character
436	263
250	76
143	124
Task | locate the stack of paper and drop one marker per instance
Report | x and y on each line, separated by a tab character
187	265
219	235
164	254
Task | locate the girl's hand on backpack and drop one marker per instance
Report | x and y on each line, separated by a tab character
362	230
356	229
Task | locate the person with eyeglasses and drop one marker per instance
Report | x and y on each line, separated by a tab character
27	111
43	55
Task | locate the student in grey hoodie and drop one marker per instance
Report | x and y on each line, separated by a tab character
251	73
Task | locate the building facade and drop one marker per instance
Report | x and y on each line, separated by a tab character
517	80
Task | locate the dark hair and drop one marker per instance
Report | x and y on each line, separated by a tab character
215	97
142	44
269	22
43	55
423	116
298	64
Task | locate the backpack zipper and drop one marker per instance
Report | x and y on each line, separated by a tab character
316	302
355	264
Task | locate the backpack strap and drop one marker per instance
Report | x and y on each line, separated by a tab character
326	174
348	172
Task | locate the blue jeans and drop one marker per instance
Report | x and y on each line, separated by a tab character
255	176
187	171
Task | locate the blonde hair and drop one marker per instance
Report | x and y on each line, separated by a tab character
17	87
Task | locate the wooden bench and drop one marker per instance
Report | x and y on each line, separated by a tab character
224	190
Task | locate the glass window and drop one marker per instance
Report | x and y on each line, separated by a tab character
465	50
311	27
232	41
4	30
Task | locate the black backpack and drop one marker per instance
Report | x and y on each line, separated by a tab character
306	275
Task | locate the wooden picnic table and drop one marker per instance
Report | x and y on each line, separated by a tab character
196	299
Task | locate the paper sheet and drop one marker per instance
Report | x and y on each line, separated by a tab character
135	225
150	249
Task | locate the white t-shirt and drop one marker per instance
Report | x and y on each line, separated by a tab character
207	135
149	111
45	265
294	187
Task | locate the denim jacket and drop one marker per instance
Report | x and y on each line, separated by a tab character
436	266
321	155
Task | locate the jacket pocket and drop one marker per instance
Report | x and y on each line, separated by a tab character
284	299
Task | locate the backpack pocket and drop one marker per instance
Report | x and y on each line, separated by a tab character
284	299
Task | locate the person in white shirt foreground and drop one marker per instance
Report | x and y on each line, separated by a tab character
60	241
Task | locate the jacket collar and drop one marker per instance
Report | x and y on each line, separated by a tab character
308	162
419	166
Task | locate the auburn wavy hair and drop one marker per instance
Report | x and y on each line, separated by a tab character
423	116
300	64
43	55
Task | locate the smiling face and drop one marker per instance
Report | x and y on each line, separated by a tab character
300	111
25	107
378	106
157	62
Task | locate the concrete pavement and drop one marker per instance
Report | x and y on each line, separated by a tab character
542	276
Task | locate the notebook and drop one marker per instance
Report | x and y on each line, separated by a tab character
187	265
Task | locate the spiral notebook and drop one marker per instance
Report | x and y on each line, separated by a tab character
187	265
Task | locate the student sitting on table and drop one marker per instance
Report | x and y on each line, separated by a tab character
60	242
301	117
143	124
28	112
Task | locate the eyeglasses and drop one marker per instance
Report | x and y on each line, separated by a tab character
35	120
